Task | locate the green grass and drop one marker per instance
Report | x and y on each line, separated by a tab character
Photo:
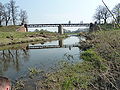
8	34
10	28
79	75
99	69
108	27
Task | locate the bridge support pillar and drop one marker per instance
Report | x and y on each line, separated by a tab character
60	29
61	43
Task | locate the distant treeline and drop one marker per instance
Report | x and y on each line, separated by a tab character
11	14
77	31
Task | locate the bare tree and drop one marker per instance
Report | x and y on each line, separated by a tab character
111	13
23	17
14	10
105	14
7	13
102	13
116	11
1	13
98	15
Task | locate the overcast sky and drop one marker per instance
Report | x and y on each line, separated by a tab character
61	11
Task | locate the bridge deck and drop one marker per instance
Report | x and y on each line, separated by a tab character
51	46
56	25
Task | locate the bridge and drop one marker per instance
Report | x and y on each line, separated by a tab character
59	45
60	26
51	46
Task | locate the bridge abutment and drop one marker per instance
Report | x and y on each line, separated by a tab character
60	29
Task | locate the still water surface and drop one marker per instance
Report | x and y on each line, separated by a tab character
14	63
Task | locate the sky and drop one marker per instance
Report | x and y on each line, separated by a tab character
61	11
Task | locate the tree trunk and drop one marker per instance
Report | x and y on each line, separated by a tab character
7	20
0	23
105	21
6	23
13	22
118	19
99	21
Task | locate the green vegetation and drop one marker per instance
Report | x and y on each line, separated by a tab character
78	75
9	35
10	28
34	72
108	26
98	71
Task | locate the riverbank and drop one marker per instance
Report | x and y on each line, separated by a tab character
8	36
99	70
106	45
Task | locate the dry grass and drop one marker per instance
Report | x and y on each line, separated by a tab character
107	45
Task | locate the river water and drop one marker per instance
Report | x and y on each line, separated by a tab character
14	63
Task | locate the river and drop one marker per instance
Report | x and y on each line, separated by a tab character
14	63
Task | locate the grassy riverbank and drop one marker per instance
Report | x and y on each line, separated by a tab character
9	36
11	28
107	45
100	69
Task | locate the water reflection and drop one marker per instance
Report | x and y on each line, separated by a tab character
61	43
11	58
16	59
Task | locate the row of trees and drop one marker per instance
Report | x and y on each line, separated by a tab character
102	13
10	14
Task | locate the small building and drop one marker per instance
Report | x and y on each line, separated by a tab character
21	29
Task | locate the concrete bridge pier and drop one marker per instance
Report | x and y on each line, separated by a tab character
60	29
61	43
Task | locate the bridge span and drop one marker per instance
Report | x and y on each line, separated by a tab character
60	26
59	45
51	46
